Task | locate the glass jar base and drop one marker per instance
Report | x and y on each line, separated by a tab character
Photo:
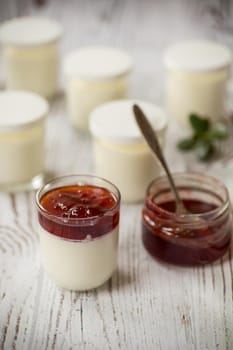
33	184
79	287
166	251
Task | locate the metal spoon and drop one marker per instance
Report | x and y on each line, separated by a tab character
152	140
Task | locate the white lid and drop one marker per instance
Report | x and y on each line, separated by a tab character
20	109
115	122
97	63
197	55
29	31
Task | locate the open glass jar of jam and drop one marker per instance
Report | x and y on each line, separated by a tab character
78	228
200	237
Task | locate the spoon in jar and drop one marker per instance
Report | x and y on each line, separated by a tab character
152	140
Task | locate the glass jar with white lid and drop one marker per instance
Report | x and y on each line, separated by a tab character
30	54
22	117
120	153
94	75
196	81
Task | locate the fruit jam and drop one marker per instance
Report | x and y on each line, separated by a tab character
166	237
78	212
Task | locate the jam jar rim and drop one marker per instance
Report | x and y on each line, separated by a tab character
77	221
182	219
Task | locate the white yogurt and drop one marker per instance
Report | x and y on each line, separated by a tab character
197	75
94	75
22	116
79	265
30	53
120	153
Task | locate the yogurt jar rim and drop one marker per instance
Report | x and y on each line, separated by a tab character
172	63
183	218
104	76
76	221
39	117
24	126
12	42
179	69
127	139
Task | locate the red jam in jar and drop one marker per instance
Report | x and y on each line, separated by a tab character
200	237
78	202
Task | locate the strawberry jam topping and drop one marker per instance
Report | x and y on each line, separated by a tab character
79	212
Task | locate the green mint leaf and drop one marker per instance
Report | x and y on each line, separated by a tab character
186	144
219	131
203	136
204	150
199	124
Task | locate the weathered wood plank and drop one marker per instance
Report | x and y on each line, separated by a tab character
146	305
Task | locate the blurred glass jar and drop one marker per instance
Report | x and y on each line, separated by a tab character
94	75
120	153
22	117
199	237
196	79
30	54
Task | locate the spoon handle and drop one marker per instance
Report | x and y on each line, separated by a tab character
152	140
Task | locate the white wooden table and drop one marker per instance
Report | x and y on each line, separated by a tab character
146	305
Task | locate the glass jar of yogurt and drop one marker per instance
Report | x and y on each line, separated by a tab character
22	117
197	76
78	228
120	153
30	54
94	75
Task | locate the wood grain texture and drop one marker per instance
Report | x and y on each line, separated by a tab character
146	305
